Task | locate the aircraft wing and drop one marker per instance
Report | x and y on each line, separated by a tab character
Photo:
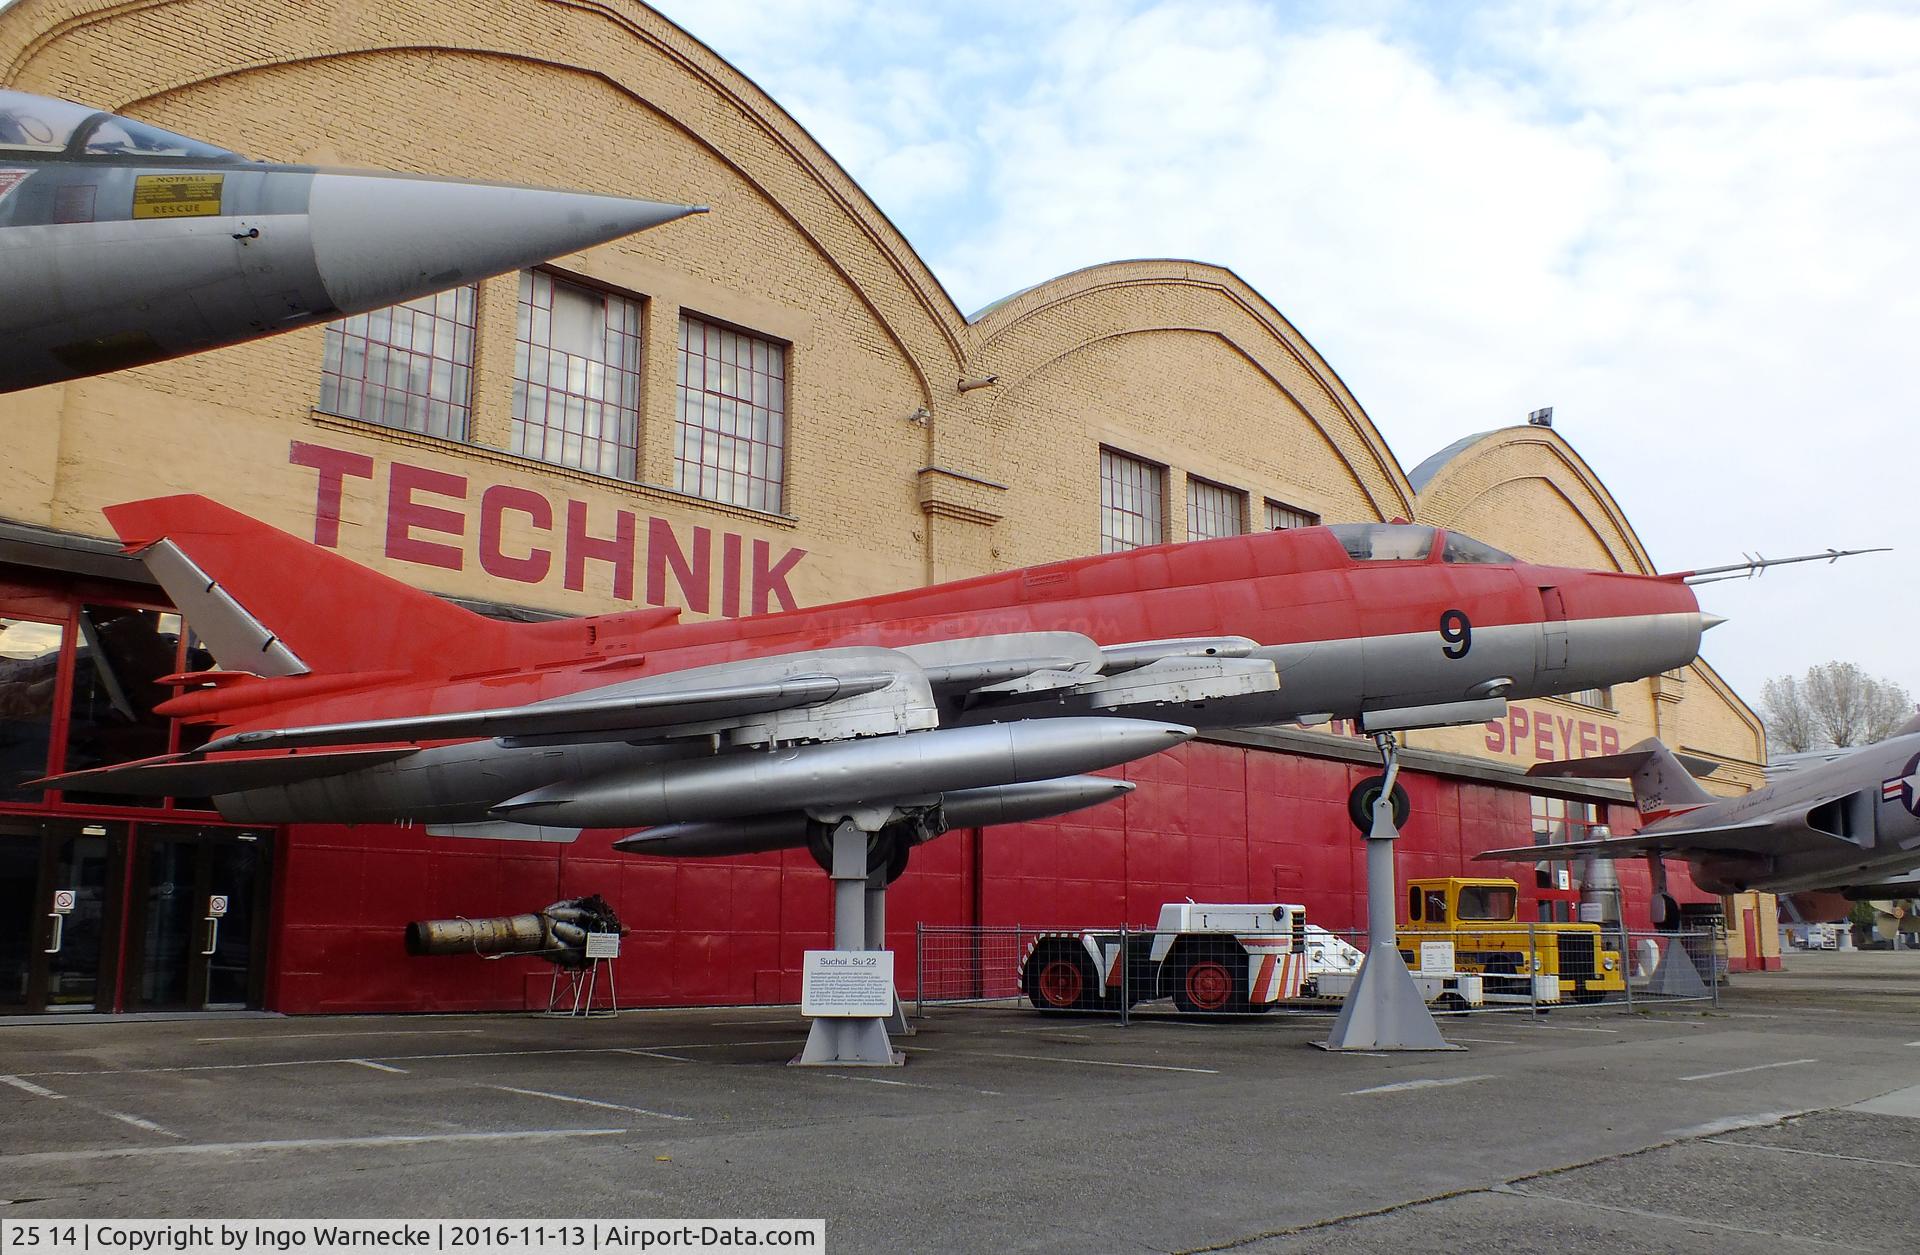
616	717
189	775
1744	836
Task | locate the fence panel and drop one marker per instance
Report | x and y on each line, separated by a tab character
1134	972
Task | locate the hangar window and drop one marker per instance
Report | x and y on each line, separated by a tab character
1557	819
1384	542
730	434
1133	502
408	366
29	670
1214	510
576	377
1281	517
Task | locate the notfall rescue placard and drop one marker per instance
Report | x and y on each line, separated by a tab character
847	983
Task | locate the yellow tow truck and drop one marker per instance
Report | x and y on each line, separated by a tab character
1481	918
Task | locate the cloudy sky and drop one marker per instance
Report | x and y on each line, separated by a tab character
1689	228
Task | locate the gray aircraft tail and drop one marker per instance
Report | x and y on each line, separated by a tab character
1661	782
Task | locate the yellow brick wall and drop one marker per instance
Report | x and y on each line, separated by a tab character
896	473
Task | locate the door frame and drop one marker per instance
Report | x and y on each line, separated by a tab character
112	911
201	838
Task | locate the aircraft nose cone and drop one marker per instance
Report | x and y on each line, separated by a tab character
381	239
1710	621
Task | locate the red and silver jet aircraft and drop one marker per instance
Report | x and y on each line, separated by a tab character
346	696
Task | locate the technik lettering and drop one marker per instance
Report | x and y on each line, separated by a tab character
441	519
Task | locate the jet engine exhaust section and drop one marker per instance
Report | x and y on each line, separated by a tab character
557	934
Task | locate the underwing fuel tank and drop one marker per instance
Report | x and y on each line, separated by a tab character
875	769
963	808
122	244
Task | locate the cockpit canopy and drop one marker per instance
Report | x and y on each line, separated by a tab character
42	126
1410	542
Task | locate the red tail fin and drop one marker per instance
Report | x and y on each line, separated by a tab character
271	603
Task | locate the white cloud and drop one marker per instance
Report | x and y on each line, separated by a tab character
1687	227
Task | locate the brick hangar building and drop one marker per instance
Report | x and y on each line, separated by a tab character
771	405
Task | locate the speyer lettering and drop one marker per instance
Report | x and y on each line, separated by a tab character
1548	736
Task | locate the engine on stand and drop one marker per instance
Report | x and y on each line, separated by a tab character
578	936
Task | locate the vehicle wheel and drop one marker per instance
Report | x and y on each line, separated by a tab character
884	849
1360	803
1209	984
1450	1002
897	858
1060	978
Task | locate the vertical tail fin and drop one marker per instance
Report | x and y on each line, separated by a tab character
1661	782
272	604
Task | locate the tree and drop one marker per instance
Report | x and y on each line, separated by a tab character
1789	718
1835	704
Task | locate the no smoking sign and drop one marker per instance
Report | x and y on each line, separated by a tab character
63	900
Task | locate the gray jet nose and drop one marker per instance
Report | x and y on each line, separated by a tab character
1710	621
381	239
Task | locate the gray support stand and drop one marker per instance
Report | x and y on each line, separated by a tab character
843	1041
1384	1009
877	940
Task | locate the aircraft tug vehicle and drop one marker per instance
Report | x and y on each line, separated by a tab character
1480	917
1206	956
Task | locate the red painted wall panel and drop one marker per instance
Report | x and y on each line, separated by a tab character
1211	822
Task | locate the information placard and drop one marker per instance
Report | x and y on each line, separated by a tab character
847	983
1436	957
603	945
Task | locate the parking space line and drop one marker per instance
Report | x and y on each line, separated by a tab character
38	1091
302	1143
656	1054
146	1125
586	1102
375	1032
462	1054
378	1067
1486	1041
1422	1083
1574	1028
1094	1063
1051	1033
876	1080
1758	1067
1817	1154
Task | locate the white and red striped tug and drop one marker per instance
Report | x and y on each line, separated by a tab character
1208	957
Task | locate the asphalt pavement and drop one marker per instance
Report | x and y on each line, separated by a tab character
1786	1119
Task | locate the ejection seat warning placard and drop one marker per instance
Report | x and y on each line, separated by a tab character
847	982
10	179
177	195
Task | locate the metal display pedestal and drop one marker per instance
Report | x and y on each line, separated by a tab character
576	997
1384	1009
859	923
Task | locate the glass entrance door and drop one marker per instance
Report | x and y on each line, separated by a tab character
59	914
199	918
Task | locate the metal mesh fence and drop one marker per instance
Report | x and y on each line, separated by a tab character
1129	972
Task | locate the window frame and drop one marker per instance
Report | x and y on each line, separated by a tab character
1312	517
1237	498
1111	542
628	455
780	449
338	332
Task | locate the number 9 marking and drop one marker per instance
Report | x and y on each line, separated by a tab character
1457	633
